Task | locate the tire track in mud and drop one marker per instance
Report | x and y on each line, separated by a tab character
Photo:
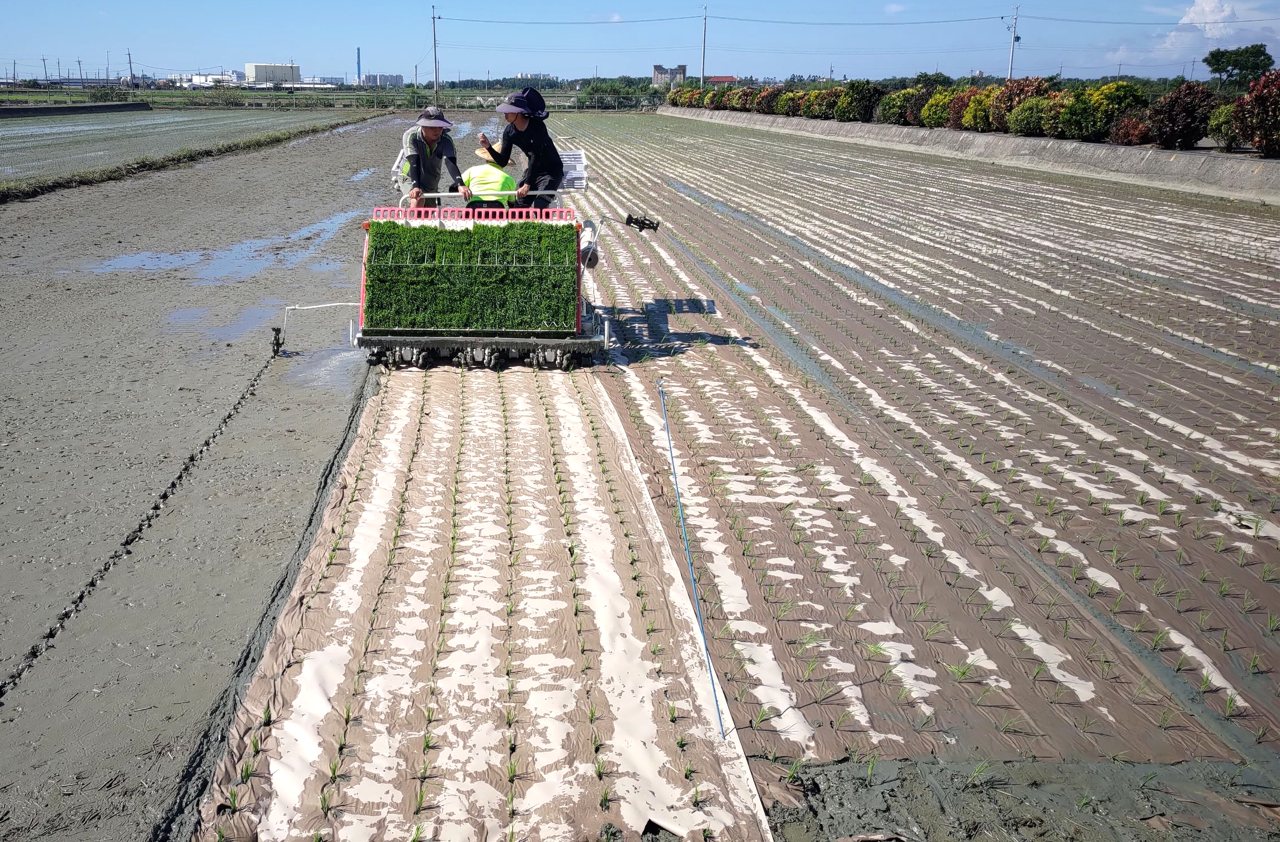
153	513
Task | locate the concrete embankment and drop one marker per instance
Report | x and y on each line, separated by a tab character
61	110
1205	172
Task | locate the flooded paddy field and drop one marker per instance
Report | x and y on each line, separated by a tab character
979	473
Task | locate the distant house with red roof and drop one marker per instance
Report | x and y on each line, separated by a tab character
717	81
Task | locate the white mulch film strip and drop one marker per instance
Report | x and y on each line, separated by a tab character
1051	656
450	450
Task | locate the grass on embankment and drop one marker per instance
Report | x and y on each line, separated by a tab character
12	191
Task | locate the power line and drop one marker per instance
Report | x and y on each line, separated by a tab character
589	51
574	22
853	22
855	52
1152	23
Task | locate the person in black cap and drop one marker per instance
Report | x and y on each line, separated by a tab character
526	131
427	146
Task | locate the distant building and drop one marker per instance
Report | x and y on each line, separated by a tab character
668	75
717	81
534	76
383	80
324	80
272	74
212	80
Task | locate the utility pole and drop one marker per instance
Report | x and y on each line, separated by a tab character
81	69
435	56
59	69
1013	40
130	55
45	62
702	79
108	73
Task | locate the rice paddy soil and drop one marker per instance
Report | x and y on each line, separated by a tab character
980	473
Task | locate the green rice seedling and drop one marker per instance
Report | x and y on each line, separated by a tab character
419	800
682	742
246	771
606	798
871	768
1273	623
1206	684
761	716
596	742
326	802
1011	725
1159	639
428	742
975	777
265	720
673	713
1231	705
934	629
255	744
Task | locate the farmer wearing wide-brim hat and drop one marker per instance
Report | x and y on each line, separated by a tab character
489	184
427	146
526	131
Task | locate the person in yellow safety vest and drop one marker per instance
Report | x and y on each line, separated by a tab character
487	182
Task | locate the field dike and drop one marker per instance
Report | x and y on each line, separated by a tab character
14	191
1205	172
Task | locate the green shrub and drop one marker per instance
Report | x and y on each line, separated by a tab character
789	104
1081	120
1116	99
767	99
858	101
1180	118
740	99
1027	118
673	96
1222	127
959	103
977	113
1258	115
1055	104
1129	130
896	108
937	110
488	277
108	95
1012	94
821	105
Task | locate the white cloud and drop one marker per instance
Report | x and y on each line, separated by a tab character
894	9
615	17
1206	25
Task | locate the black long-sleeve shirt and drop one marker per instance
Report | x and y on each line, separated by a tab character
536	143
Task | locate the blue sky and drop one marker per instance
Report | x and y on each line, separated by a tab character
749	37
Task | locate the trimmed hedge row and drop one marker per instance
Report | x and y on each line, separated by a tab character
519	276
1118	112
